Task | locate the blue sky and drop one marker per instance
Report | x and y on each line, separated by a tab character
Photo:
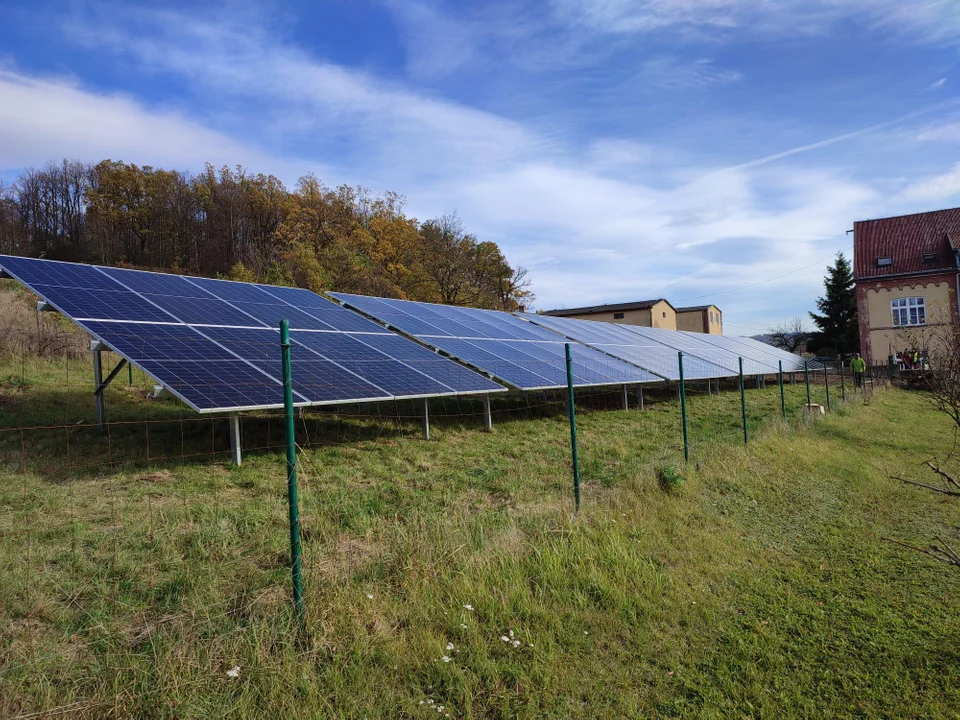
694	149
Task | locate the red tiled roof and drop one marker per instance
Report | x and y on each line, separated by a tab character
905	239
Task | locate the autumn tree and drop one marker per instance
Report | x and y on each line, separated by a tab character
233	223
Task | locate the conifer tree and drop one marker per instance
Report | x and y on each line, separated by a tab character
837	326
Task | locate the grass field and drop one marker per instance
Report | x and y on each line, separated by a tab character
453	573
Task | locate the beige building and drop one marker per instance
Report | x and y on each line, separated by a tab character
701	319
907	271
657	313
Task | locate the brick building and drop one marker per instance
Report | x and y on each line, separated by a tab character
907	273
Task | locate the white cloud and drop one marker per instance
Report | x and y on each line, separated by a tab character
595	220
670	72
44	119
922	20
935	189
938	84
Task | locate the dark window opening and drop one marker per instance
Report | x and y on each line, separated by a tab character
884	261
618	316
929	257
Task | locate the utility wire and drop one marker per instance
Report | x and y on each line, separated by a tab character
762	282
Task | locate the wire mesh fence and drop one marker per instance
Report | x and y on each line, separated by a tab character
118	540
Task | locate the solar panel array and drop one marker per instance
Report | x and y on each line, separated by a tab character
215	343
504	346
705	356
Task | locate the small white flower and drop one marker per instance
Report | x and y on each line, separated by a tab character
369	596
446	658
516	643
511	633
449	646
234	671
530	645
422	702
585	632
463	626
468	606
505	638
439	708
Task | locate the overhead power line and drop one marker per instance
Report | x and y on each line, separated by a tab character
762	282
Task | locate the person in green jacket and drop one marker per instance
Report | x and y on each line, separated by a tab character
859	366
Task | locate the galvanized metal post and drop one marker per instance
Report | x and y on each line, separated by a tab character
425	419
843	385
573	427
626	399
296	560
235	439
97	382
806	379
640	396
826	384
783	400
743	403
487	415
130	373
683	409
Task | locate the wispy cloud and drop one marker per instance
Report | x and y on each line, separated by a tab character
922	20
671	72
596	217
45	119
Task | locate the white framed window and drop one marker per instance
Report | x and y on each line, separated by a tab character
908	311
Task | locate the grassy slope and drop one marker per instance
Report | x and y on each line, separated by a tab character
762	589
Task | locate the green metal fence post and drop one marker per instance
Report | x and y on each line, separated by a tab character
743	404
783	400
806	379
296	560
683	410
826	384
890	368
573	427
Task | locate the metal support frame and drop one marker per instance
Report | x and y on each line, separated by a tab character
640	396
97	384
487	415
572	413
743	403
626	398
235	452
683	408
425	419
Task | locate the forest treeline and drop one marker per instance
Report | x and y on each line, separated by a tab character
231	223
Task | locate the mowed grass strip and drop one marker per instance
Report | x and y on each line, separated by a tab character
453	573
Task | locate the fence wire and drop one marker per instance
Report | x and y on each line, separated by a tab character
121	545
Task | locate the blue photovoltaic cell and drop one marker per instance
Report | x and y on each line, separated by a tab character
696	345
646	347
316	378
215	343
791	362
339	318
52	272
117	304
500	344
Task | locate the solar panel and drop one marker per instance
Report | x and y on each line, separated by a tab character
791	362
645	349
697	345
214	343
504	346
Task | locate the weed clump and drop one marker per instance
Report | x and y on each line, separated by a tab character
670	479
